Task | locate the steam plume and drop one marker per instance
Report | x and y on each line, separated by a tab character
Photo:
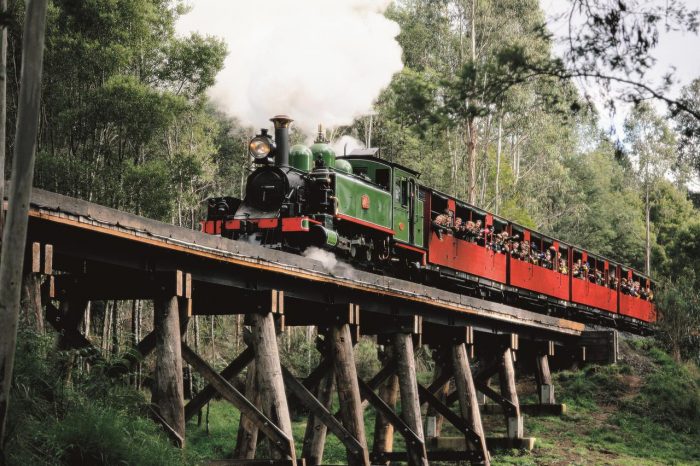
315	60
329	262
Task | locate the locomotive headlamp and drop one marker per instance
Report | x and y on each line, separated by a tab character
260	147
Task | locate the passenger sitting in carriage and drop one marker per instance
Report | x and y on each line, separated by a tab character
634	289
577	269
624	286
597	277
514	249
547	260
525	251
534	254
458	227
562	267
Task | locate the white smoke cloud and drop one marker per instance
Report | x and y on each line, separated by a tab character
318	61
346	144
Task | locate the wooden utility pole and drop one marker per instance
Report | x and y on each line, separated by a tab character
15	232
3	113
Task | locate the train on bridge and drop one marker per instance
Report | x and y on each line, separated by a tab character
377	216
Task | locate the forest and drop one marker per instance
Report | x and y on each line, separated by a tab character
486	108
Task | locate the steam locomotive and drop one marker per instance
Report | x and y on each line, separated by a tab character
376	215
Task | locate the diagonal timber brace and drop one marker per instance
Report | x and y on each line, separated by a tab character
278	438
411	437
316	407
208	392
458	422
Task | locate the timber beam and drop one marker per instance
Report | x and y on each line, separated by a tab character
121	286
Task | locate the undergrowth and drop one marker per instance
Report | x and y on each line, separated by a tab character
69	417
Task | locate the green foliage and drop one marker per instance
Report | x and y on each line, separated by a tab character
87	421
124	106
102	435
678	303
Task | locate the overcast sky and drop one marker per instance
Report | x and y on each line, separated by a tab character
675	49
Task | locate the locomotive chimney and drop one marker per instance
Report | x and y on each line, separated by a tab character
282	123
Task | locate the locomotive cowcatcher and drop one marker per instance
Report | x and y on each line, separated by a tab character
375	215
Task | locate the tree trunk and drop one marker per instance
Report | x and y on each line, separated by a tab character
213	344
389	392
196	349
471	159
471	123
15	232
647	208
106	325
410	403
86	320
3	114
497	201
115	328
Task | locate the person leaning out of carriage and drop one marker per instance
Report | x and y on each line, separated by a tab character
443	222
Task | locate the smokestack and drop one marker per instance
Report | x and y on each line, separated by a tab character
282	124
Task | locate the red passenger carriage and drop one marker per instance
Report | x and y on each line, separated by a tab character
574	281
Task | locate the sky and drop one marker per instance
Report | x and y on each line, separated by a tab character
675	49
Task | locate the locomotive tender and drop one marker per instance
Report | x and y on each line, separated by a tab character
377	216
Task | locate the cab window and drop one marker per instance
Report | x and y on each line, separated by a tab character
382	176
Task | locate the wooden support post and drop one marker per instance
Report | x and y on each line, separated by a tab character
247	437
169	390
349	390
389	393
508	391
468	402
269	372
433	422
316	429
410	404
543	376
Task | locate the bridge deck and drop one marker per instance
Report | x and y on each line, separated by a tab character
124	248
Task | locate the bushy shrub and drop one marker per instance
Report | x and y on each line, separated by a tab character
89	420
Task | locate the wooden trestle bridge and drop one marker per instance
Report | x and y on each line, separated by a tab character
90	252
